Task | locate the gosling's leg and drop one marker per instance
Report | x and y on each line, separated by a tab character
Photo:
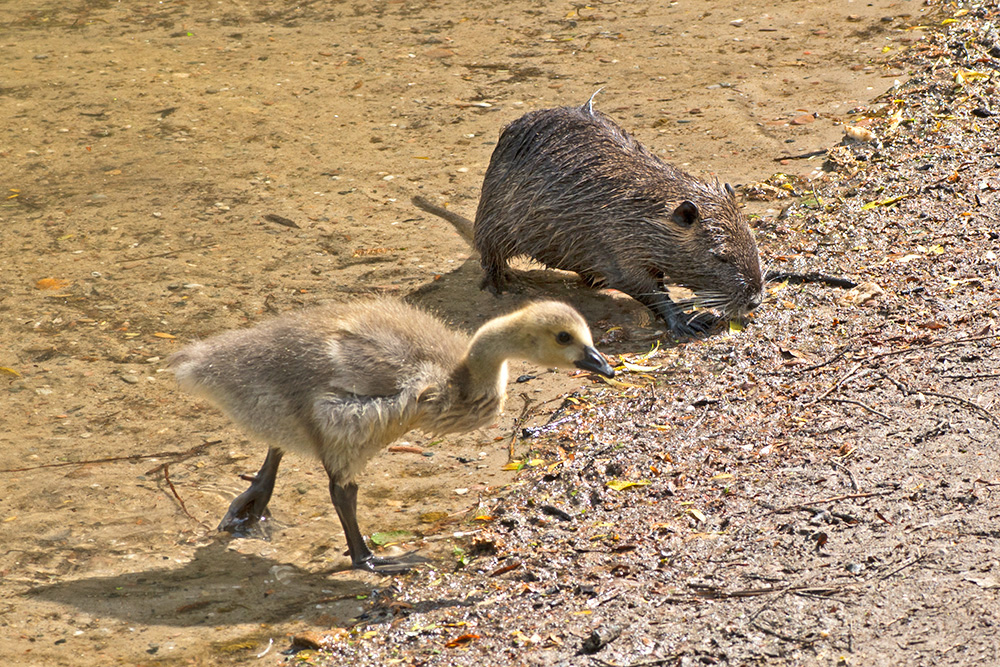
245	513
345	500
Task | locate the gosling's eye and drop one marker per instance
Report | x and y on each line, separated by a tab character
564	338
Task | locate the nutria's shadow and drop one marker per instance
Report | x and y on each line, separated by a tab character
218	587
456	297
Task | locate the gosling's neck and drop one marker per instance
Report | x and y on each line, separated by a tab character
485	362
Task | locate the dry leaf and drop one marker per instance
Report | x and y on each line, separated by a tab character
461	640
52	283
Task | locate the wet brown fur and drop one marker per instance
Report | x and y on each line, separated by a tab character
572	190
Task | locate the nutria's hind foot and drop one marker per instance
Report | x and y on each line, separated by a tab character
249	509
496	278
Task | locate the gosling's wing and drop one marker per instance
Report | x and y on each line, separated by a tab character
388	347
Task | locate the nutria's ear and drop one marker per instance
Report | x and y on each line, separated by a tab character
686	214
729	189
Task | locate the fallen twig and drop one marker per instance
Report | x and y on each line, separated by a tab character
194	451
964	401
836	386
934	346
829	361
858	403
812	277
903	567
840	466
519	424
906	389
832	499
167	254
984	376
173	489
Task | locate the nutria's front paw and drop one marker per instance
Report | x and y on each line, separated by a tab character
694	325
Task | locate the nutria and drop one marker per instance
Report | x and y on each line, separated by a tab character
342	382
572	190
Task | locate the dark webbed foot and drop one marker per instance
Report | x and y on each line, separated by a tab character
248	509
398	565
345	501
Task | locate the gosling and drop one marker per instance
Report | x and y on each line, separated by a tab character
341	382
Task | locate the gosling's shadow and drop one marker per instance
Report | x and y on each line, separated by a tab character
216	587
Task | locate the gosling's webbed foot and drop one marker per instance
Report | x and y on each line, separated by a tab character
244	519
249	508
397	565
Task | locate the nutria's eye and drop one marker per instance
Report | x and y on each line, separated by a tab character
564	338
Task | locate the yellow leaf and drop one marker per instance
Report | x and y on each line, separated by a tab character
10	518
652	351
621	484
514	465
883	202
659	427
735	326
370	634
616	383
164	335
9	371
639	369
723	475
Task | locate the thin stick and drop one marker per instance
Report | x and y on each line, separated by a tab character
833	499
166	476
167	254
801	278
858	403
903	567
519	424
934	346
972	377
850	475
963	401
837	385
835	357
194	451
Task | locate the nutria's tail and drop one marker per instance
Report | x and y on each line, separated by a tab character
461	224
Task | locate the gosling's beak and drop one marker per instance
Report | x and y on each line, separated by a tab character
594	361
